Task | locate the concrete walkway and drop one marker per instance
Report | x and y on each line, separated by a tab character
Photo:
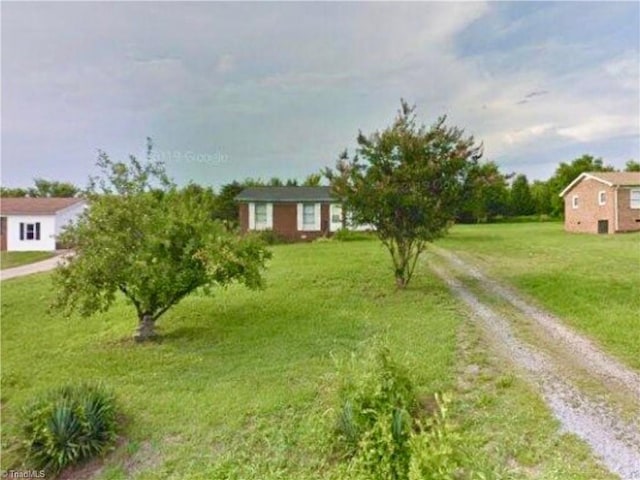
37	267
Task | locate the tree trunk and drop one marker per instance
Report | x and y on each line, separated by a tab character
146	328
401	282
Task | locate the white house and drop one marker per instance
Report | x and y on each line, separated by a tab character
34	224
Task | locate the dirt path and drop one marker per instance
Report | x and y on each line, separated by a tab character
615	441
31	268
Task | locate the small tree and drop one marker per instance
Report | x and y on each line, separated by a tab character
155	244
407	181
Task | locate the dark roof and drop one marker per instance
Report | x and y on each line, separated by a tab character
35	206
285	194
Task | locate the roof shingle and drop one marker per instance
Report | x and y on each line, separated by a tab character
285	194
35	206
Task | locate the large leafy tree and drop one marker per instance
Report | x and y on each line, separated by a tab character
153	243
486	193
53	188
407	181
520	198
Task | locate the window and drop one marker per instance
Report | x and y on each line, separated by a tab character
602	197
261	213
336	214
634	198
30	231
574	201
308	216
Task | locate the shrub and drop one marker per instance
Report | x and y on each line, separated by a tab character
271	238
375	419
435	447
346	235
68	425
386	433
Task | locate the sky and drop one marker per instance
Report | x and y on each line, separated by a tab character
229	91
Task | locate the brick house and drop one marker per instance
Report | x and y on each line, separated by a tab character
602	202
34	224
295	213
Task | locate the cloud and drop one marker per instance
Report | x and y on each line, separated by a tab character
281	88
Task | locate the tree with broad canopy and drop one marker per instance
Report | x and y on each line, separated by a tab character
152	242
408	182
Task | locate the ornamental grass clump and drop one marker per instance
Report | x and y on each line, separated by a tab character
68	425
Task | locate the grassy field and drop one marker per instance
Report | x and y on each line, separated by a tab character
590	281
243	385
15	259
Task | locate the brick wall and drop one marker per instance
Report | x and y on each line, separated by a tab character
285	221
628	218
585	218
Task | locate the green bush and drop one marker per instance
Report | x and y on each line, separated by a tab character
386	433
68	425
375	419
346	235
271	238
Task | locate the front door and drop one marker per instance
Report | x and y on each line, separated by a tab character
603	226
3	233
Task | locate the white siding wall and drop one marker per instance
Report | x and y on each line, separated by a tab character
64	217
47	240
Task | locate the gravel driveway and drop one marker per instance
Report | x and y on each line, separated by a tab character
591	417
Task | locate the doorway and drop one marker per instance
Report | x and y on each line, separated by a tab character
603	226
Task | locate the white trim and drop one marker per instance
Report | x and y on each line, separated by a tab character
631	190
270	216
574	202
580	178
252	216
299	214
602	197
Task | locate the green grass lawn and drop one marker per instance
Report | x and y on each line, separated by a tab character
590	281
15	259
243	384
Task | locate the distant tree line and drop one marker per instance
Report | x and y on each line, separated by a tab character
489	194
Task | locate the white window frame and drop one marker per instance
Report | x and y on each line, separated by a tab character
634	203
602	197
315	227
253	217
574	201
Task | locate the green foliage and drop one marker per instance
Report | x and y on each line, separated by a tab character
42	188
8	192
407	181
68	425
227	208
50	188
435	447
632	166
375	420
143	237
312	180
346	235
486	194
386	433
271	237
521	201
